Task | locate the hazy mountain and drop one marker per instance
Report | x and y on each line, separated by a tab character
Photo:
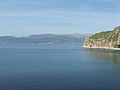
77	35
45	39
81	37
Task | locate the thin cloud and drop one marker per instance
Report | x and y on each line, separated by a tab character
56	16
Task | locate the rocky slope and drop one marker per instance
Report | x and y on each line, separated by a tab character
108	39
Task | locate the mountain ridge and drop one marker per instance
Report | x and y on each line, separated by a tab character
44	39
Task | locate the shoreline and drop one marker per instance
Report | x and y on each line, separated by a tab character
107	48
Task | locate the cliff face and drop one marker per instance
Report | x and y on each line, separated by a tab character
109	39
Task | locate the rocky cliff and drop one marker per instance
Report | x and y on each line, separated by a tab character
108	39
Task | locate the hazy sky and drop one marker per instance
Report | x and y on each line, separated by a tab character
25	17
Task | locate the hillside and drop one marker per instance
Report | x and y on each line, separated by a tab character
108	39
43	39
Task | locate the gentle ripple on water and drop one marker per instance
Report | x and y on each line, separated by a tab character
58	67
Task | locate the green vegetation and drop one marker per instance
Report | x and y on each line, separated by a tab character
117	46
105	39
100	35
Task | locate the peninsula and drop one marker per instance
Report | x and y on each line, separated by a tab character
104	40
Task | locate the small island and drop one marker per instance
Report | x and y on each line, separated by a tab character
104	40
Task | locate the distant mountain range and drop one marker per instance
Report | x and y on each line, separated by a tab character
45	39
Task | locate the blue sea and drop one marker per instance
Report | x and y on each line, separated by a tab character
58	67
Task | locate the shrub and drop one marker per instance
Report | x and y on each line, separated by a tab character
117	46
100	35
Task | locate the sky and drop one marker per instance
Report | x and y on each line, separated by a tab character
26	17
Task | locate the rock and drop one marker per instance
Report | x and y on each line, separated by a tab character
109	39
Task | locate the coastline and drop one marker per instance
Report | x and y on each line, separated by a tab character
107	48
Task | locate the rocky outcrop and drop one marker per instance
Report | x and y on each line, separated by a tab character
109	39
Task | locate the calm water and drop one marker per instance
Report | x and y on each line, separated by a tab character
58	67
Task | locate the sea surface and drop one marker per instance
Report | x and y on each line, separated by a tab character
58	67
